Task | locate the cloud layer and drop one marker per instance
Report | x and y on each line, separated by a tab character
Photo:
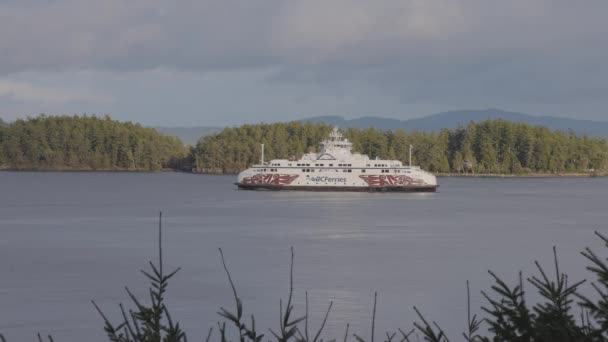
519	54
211	34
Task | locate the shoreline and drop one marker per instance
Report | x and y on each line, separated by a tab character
455	175
524	175
91	170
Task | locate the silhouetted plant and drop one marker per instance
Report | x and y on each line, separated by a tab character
41	340
554	320
147	323
432	333
508	316
597	310
305	338
236	319
510	319
288	326
359	338
473	324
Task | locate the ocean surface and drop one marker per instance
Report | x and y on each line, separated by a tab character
69	238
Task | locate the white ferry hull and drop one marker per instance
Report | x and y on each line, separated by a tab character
417	181
423	188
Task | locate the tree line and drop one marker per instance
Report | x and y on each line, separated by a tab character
86	143
492	146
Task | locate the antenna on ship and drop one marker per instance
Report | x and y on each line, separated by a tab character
410	155
262	158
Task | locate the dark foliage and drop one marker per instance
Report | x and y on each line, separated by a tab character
87	143
497	146
91	143
596	311
562	314
147	322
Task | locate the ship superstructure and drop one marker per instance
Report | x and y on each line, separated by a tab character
336	168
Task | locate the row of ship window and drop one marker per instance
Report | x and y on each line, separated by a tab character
339	165
350	170
343	170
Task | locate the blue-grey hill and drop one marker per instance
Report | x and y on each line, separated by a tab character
452	119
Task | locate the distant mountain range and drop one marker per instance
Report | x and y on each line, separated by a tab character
435	122
453	119
189	135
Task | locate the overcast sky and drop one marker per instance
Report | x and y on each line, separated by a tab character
226	62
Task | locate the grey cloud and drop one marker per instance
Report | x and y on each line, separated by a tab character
343	56
212	34
132	35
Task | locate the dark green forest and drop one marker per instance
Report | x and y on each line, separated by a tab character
86	143
491	147
487	147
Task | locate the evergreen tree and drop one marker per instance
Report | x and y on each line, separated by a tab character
86	143
490	146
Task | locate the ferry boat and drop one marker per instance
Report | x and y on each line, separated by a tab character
336	168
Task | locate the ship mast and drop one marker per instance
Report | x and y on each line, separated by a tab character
262	157
410	155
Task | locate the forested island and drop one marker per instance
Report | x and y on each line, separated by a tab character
86	143
487	147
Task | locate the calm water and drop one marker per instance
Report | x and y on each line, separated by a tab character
67	238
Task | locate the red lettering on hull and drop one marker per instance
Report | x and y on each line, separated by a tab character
388	180
269	178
